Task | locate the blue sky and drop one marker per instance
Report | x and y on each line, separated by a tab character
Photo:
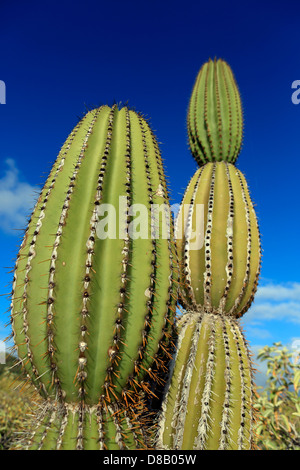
59	57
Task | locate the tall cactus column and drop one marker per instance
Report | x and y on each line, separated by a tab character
208	399
92	305
215	116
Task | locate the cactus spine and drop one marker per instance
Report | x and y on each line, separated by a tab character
208	399
90	315
215	118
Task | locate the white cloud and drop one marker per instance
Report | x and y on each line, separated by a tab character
274	314
275	302
276	292
17	199
276	311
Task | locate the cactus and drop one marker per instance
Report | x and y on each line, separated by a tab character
222	276
215	119
209	403
92	317
209	395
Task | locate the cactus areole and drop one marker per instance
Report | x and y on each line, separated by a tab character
91	314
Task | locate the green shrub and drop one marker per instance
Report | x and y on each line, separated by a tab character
278	405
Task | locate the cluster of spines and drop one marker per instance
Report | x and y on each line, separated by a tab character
63	426
210	405
215	121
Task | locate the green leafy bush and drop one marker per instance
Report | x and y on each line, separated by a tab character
278	405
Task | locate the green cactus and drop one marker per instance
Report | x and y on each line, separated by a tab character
209	401
221	274
209	396
215	118
91	315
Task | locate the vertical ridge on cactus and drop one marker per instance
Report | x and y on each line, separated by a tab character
223	274
91	314
215	119
208	404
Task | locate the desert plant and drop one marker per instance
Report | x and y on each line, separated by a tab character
93	317
92	313
209	397
215	117
278	404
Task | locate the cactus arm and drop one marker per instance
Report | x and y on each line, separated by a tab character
215	121
97	313
223	275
